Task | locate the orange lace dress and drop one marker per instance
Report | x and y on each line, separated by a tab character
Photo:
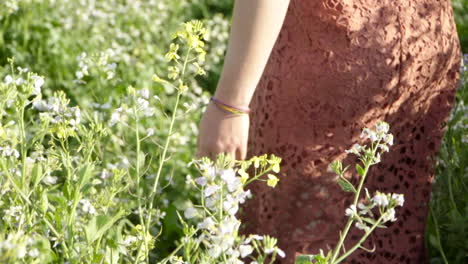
339	66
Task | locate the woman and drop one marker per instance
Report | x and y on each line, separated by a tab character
314	73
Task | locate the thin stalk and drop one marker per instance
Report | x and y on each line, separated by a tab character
356	198
175	251
138	145
162	158
439	245
358	244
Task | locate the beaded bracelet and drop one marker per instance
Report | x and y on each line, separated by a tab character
230	108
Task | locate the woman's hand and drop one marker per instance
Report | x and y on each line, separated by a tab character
222	132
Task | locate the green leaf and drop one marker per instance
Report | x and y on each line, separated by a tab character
359	170
336	166
44	202
304	259
37	174
99	225
433	240
346	185
85	174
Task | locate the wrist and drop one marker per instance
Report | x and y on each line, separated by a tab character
238	101
239	110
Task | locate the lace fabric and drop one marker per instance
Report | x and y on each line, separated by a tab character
339	66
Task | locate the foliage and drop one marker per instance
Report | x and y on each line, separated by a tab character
447	226
90	91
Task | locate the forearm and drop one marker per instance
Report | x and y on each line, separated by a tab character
254	30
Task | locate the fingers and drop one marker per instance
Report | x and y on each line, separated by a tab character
217	149
241	153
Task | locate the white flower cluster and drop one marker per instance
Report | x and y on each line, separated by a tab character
8	151
11	6
223	191
379	135
87	207
143	106
386	204
19	246
55	110
36	81
13	212
99	61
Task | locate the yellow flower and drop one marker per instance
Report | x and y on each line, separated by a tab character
276	168
244	175
272	180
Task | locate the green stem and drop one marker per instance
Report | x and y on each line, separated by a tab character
439	245
163	157
165	260
358	244
356	198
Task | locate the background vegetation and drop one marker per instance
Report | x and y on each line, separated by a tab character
94	50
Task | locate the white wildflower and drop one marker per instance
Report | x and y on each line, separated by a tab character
149	132
143	103
214	251
277	250
79	75
362	226
351	211
8	79
280	252
211	202
9	152
22	70
233	182
383	147
87	207
190	212
115	116
201	181
38	82
243	195
245	250
364	209
230	205
145	93
355	149
50	180
388	139
207	223
129	240
228	225
382	127
399	198
377	158
13	212
105	174
389	215
21	251
211	189
210	172
19	81
380	199
34	253
367	133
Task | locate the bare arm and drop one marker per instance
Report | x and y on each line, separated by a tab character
255	28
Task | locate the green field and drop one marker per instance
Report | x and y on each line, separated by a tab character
96	145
